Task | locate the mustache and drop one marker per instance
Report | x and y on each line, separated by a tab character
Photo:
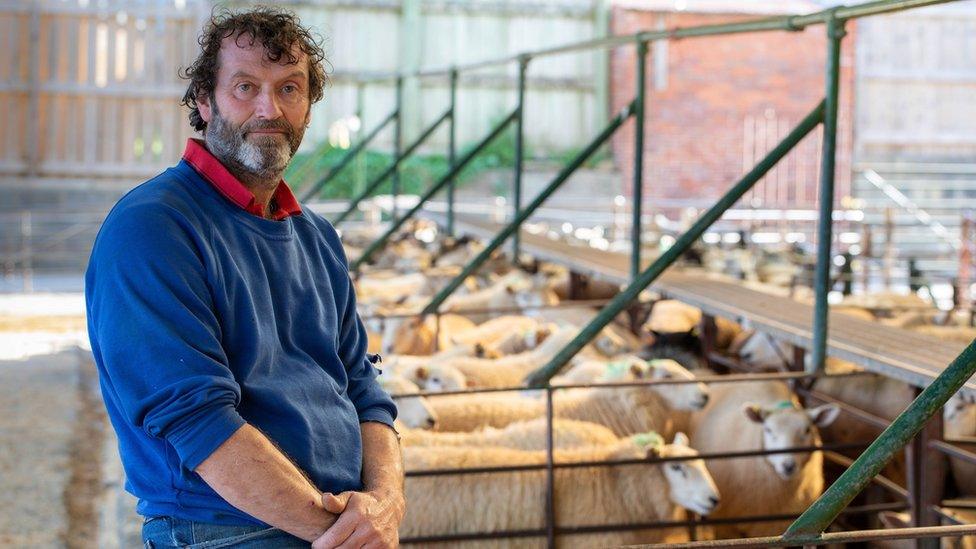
279	124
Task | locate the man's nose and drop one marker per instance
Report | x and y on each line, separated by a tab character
267	106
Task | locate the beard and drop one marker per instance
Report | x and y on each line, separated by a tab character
254	157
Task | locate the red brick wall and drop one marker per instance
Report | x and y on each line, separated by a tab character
727	100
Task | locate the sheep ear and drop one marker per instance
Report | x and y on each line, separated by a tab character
479	350
422	372
510	290
740	340
755	412
653	452
824	415
637	371
681	439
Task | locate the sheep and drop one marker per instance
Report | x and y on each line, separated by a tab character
421	335
893	520
522	435
588	496
625	410
429	375
878	395
515	290
755	416
520	342
960	420
509	371
495	329
761	351
412	412
612	340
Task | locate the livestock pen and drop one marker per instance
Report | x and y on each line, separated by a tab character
920	362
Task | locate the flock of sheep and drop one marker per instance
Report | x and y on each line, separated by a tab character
504	323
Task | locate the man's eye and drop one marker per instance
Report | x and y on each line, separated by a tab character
290	88
244	87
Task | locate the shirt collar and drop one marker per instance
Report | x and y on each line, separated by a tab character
283	202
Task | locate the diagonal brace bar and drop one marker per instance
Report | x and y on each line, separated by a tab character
373	185
823	511
540	377
314	189
526	212
440	184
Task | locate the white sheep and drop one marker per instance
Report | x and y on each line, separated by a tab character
509	371
583	497
960	420
755	416
878	395
762	352
625	410
522	435
412	412
429	375
491	331
418	335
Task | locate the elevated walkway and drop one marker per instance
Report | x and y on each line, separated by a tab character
894	352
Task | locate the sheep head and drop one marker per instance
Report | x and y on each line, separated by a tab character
785	425
686	396
690	484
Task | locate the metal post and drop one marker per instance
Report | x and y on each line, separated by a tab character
550	475
452	151
823	511
519	152
359	178
926	477
397	138
637	198
835	32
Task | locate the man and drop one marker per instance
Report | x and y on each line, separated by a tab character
223	323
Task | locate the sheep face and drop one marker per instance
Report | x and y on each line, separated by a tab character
690	484
413	412
785	426
762	351
609	344
437	377
687	396
960	410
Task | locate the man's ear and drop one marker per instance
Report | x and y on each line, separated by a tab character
205	107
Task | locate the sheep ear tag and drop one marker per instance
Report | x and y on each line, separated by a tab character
616	369
648	440
784	405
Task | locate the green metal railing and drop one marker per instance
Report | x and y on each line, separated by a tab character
392	170
349	156
809	527
447	179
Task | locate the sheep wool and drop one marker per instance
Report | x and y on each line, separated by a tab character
522	435
513	501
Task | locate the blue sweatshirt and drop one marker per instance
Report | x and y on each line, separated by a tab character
203	317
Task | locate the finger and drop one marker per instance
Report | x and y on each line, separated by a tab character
336	503
340	531
362	536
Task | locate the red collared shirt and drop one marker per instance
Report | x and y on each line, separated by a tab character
283	203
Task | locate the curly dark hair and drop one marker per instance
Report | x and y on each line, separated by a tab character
276	29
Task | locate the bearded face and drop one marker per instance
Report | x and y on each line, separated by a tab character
253	148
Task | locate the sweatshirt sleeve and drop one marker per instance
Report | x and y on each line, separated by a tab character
155	333
371	401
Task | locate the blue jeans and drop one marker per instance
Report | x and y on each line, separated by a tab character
169	533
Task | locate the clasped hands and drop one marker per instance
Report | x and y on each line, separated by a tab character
366	520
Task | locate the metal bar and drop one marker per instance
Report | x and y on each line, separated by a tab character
316	187
550	476
833	537
397	143
637	198
604	528
880	480
725	378
397	223
952	451
452	152
516	224
581	304
835	32
928	467
391	170
619	303
519	153
630	462
892	440
782	23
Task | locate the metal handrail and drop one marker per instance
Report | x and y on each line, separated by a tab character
316	187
